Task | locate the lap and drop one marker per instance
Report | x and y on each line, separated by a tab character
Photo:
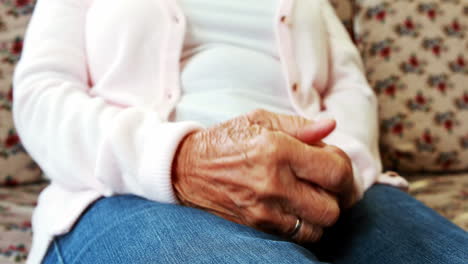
129	229
390	226
387	226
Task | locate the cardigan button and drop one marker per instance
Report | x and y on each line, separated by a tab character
295	87
285	20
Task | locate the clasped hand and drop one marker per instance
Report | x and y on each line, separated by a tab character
266	170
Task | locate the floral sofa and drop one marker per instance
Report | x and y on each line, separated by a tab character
434	137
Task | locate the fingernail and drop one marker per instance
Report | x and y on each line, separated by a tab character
324	123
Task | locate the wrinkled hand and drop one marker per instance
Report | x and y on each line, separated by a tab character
264	170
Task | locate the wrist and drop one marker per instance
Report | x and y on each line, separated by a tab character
180	164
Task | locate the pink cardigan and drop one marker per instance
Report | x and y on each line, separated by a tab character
97	82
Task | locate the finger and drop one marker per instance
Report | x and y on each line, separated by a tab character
275	220
308	233
308	131
270	218
325	166
313	204
317	131
348	198
347	202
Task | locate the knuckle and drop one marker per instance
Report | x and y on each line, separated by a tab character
267	187
341	171
262	118
270	143
243	120
259	112
260	217
338	152
339	176
335	150
256	115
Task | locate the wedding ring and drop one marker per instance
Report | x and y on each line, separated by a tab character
297	227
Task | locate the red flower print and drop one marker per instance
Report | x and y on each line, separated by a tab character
22	248
436	50
381	15
17	47
442	87
409	24
10	95
448	124
447	120
403	155
464	194
420	99
20	3
432	14
408	27
456	26
419	103
397	129
391	90
427	142
427	138
385	52
414	61
459	65
11	182
11	140
461	61
18	248
447	164
448	159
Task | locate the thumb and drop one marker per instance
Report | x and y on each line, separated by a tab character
317	131
307	131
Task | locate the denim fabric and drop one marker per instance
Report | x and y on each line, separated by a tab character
387	226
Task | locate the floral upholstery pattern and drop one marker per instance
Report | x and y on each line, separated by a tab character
15	164
415	53
344	9
16	206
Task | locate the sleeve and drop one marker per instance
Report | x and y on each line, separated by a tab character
352	103
83	142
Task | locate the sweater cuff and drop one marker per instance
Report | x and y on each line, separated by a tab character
156	167
366	167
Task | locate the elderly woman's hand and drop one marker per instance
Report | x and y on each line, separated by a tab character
265	170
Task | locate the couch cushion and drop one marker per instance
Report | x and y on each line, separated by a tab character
15	164
344	9
16	207
416	60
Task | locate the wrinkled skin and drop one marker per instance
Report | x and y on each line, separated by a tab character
264	170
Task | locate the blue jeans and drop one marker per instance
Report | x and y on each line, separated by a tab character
387	226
